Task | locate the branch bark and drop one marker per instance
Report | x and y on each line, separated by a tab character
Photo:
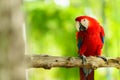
47	62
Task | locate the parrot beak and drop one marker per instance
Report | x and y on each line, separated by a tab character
81	27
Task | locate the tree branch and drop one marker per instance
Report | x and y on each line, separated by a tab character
47	62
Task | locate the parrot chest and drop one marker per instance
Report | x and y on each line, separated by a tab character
92	42
92	39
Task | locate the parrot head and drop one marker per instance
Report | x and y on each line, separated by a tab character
84	23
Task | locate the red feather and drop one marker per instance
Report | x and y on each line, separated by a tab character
91	41
89	77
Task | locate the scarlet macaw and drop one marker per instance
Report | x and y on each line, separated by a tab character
90	40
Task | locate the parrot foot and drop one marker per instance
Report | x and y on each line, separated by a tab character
104	58
83	59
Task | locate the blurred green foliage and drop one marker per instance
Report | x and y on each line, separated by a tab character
51	30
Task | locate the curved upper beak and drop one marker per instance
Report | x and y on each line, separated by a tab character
80	27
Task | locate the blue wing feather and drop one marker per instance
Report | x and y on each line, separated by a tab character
79	43
102	35
102	38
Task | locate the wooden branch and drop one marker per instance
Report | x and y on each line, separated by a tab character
47	62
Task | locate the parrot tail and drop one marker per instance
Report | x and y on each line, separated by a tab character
86	74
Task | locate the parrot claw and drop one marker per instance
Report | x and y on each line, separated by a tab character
83	59
104	58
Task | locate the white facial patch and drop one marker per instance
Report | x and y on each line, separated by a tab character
77	25
85	23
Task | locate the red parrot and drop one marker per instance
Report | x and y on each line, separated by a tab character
90	40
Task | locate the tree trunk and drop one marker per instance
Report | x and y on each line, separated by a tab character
11	41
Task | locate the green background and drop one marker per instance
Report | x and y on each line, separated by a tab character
50	28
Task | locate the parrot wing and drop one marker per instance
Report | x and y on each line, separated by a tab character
79	40
102	34
79	43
